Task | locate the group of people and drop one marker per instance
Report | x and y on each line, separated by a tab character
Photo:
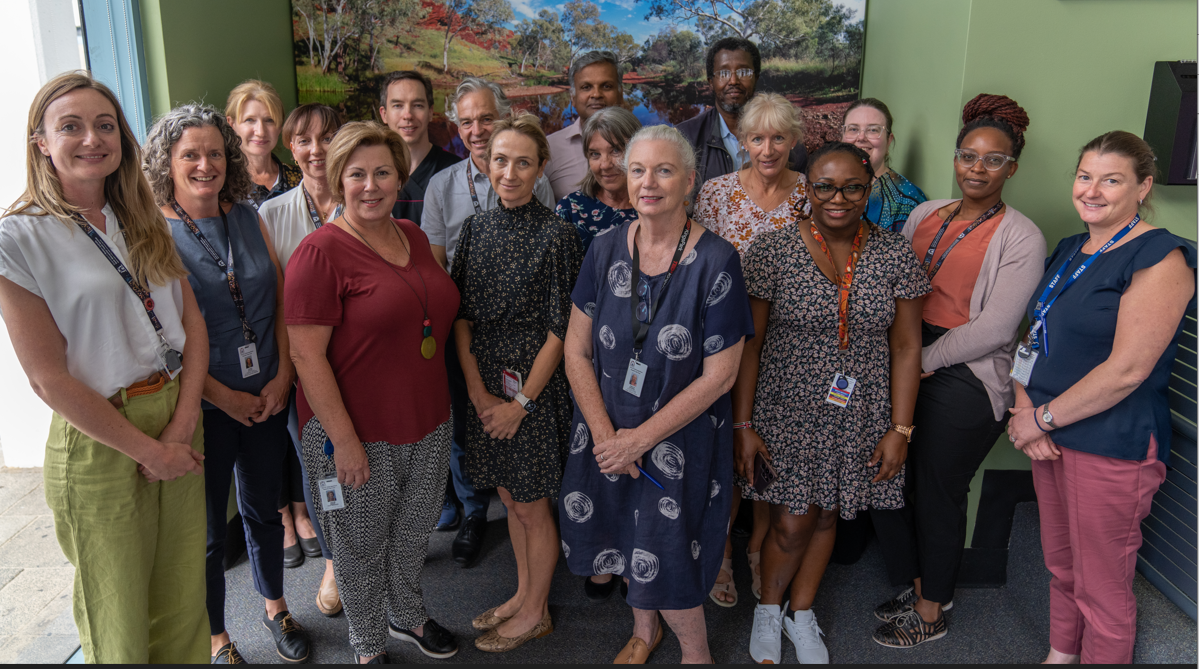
623	330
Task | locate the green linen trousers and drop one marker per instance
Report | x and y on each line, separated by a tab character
138	547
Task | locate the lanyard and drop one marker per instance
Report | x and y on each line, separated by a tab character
470	183
844	283
1044	304
312	212
142	294
640	329
230	277
928	255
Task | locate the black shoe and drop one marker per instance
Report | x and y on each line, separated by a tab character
598	592
311	547
378	659
293	556
291	641
228	655
469	542
901	604
437	641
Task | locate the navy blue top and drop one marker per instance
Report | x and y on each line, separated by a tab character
1082	327
256	276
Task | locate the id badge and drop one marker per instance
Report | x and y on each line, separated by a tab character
841	390
248	355
172	360
331	495
1022	364
513	383
634	379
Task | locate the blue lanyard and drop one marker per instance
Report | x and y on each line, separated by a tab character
1044	303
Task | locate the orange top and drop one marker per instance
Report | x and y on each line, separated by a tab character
948	306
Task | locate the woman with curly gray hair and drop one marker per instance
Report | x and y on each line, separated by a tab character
198	175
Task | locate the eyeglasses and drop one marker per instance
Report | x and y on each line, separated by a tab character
642	305
992	161
743	73
825	192
872	131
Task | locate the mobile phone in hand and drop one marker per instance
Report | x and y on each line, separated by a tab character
764	473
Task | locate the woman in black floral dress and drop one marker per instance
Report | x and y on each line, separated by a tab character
827	394
515	267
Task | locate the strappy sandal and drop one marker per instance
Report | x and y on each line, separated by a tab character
755	569
726	567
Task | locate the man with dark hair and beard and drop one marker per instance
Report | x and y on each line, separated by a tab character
733	65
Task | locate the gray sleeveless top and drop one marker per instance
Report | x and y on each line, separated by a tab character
256	276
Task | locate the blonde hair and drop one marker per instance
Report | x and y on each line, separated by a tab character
358	134
769	111
152	255
254	90
525	124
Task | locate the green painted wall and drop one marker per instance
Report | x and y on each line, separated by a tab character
198	51
1079	67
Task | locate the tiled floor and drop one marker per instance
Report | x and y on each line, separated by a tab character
35	579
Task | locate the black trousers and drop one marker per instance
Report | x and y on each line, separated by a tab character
255	455
955	429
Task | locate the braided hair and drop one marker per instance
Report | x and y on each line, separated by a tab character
841	147
999	112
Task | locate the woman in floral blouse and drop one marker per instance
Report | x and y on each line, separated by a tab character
602	202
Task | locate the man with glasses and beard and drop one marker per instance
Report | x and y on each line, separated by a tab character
733	65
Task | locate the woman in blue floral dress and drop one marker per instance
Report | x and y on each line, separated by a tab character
602	202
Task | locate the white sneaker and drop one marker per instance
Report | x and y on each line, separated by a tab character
805	634
766	639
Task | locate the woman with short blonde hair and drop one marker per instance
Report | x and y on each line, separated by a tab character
255	112
113	341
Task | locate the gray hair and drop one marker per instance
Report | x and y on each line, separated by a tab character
769	111
168	130
663	133
591	58
617	126
472	85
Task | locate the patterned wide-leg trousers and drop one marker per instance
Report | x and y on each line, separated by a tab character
379	540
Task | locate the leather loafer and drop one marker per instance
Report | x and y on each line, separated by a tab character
291	641
436	642
293	556
469	542
328	600
311	547
228	655
636	652
598	592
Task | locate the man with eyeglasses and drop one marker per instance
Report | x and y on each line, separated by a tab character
733	65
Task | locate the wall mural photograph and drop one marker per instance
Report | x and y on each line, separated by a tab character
811	53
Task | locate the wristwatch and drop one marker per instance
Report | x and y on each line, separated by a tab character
905	430
1047	416
529	405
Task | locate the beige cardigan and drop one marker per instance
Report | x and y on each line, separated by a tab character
1012	267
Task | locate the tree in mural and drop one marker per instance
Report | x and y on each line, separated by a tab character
335	26
474	15
539	38
767	20
586	31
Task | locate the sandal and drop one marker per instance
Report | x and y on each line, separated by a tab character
725	567
755	568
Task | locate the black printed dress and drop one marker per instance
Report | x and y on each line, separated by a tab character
515	269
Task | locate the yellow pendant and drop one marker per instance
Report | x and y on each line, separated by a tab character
428	347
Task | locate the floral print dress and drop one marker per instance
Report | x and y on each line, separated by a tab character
820	449
724	207
591	217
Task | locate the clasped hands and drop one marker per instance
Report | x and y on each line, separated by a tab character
1027	436
501	418
619	452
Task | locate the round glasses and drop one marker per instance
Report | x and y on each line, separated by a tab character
991	161
825	192
871	131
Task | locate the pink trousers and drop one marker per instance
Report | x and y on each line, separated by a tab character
1091	508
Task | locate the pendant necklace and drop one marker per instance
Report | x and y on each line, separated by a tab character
428	345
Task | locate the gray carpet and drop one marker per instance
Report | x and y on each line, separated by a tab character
1007	625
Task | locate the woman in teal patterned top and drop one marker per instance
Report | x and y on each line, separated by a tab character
602	202
868	126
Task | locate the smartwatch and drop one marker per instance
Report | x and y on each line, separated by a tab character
529	405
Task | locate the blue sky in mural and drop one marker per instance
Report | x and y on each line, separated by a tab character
629	15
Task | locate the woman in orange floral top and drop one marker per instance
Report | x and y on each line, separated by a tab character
764	195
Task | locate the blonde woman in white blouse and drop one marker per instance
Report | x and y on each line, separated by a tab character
114	343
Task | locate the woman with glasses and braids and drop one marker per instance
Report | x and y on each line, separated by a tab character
983	259
868	126
825	394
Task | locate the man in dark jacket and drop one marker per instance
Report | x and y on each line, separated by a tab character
733	65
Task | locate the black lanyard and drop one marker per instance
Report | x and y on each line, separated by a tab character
641	330
230	277
470	183
312	212
928	255
142	294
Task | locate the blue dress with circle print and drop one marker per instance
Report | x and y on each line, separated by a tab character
668	543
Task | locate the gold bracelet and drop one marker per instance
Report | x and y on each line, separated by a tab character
905	430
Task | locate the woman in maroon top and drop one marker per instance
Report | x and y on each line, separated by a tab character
369	311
